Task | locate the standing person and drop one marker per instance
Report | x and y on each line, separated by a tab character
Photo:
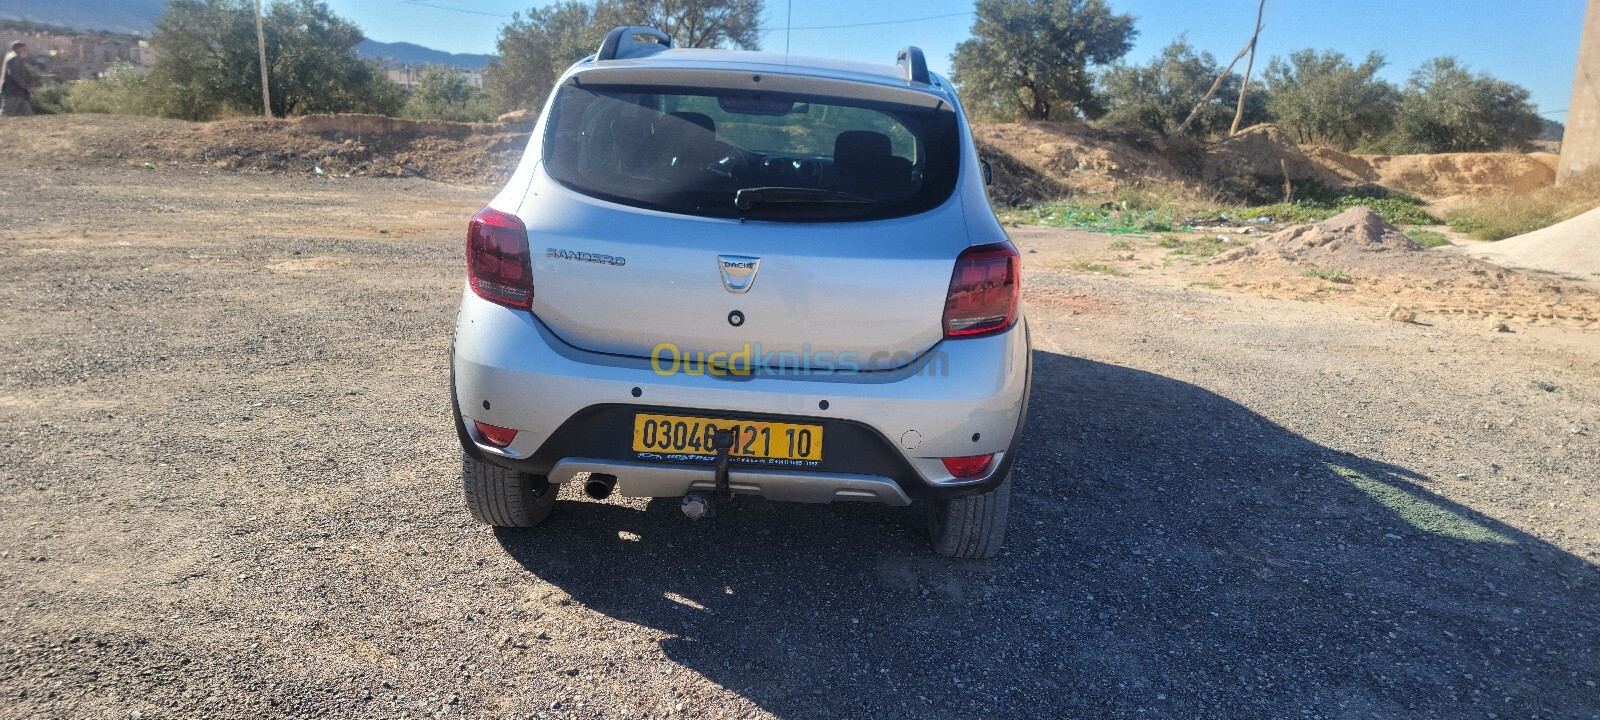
16	82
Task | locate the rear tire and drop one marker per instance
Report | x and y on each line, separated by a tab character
970	527
505	498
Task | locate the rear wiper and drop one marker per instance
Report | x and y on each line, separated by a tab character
750	197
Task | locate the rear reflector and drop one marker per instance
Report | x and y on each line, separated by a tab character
967	467
497	259
983	291
494	434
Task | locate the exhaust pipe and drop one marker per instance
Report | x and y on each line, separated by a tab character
600	486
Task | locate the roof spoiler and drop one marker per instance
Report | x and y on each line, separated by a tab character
621	43
913	66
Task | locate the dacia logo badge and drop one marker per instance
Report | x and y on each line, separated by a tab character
738	272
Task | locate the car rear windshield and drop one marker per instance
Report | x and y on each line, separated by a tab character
721	153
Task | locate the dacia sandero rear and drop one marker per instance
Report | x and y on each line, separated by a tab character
720	273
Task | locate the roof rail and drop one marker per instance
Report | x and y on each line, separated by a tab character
620	43
913	66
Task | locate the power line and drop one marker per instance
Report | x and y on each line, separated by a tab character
1555	112
420	3
883	22
841	26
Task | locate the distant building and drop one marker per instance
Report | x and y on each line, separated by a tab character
64	58
408	76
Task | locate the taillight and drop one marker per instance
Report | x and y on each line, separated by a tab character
983	291
494	434
497	259
967	467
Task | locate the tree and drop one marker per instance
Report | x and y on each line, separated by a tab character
1446	108
535	50
1030	58
1158	96
1323	98
697	23
443	93
207	60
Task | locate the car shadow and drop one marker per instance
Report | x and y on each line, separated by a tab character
1171	553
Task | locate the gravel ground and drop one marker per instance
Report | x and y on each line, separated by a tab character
229	489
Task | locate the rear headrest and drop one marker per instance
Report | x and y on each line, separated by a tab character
701	119
861	152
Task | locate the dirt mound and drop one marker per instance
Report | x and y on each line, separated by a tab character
1352	168
1443	175
1262	155
471	153
1357	252
1074	158
1567	247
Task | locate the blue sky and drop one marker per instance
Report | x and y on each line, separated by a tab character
1532	42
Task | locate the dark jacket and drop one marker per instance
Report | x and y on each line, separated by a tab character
16	79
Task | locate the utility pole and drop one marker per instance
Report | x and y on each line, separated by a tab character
261	47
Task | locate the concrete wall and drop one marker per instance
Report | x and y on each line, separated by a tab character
1580	146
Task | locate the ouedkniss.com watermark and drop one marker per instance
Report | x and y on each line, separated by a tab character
668	359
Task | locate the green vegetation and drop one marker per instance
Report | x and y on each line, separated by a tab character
122	91
1203	246
1448	109
534	49
208	66
443	93
1160	95
1142	210
1029	58
1323	98
1333	276
1320	202
51	99
1498	217
1096	218
1207	284
1427	238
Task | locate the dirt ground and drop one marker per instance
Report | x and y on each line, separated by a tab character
229	489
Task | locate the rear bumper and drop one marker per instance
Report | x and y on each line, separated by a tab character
962	398
642	479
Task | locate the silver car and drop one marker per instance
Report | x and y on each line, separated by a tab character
719	273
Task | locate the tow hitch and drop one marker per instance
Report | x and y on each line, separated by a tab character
697	506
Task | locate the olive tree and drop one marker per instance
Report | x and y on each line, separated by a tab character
1160	95
1321	97
1030	58
1447	108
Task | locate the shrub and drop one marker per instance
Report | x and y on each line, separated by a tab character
1427	238
122	91
51	100
443	93
1333	276
1498	217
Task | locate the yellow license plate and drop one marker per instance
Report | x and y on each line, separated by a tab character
678	437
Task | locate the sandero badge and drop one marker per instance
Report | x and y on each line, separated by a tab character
585	257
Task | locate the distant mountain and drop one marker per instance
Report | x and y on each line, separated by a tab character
139	17
124	16
404	53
